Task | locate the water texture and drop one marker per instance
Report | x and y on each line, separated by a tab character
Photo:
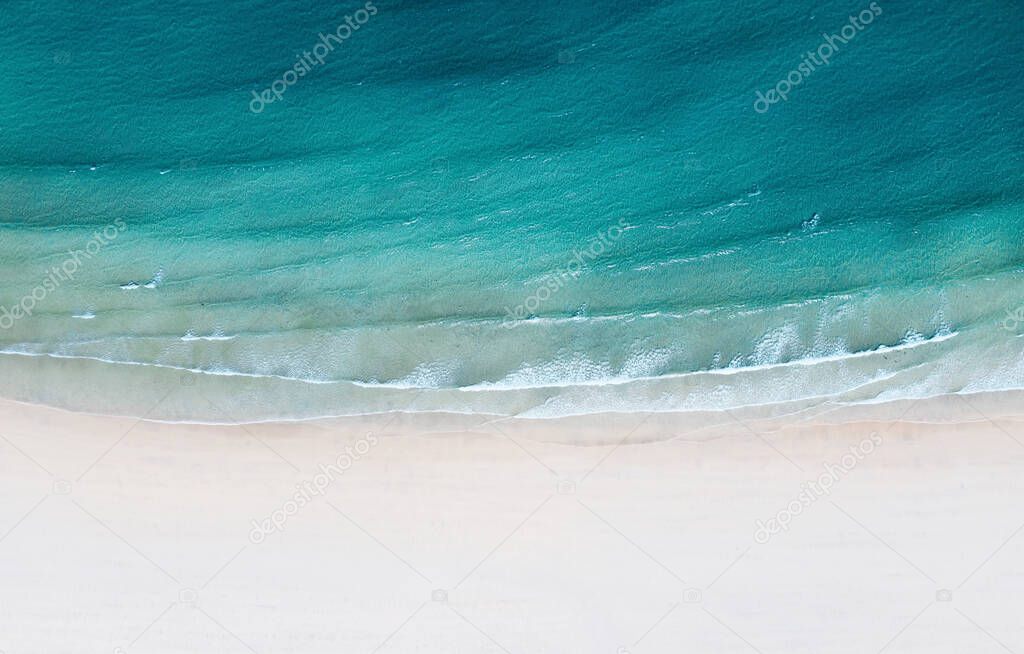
231	212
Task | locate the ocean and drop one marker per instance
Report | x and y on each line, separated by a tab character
213	212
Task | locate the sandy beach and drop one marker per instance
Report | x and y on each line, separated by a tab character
637	533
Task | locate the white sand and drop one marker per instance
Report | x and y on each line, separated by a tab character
626	533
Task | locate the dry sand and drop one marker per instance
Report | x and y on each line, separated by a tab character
606	534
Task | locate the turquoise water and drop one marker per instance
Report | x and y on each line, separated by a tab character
531	208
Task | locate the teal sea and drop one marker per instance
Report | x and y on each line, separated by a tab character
223	212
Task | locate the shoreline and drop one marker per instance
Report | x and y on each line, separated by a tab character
996	402
164	392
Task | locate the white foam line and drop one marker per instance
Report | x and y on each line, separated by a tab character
500	417
882	349
216	373
289	420
498	386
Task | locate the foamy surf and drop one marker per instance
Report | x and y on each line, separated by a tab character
918	366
